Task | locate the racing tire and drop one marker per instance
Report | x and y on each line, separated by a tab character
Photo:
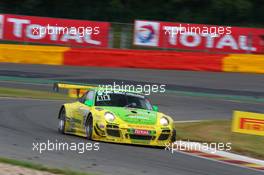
62	118
89	127
173	137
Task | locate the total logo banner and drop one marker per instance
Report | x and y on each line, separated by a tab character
146	33
54	30
1	26
198	37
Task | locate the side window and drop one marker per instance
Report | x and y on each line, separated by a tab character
83	98
90	95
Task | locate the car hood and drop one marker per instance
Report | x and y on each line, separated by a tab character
133	115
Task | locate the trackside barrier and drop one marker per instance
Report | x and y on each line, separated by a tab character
144	59
29	54
244	63
56	55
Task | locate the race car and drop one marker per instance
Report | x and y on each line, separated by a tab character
115	116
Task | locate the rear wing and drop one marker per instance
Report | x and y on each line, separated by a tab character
77	90
74	90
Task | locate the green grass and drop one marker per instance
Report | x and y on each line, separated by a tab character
40	167
220	131
25	93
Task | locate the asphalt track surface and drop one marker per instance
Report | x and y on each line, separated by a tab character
24	121
197	81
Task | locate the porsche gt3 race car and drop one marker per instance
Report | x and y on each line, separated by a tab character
115	116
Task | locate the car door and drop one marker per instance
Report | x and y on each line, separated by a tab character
81	111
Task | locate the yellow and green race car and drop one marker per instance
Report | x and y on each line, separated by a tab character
116	116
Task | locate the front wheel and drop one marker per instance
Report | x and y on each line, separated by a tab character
89	128
62	118
173	137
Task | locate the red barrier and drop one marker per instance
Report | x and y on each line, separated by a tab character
144	59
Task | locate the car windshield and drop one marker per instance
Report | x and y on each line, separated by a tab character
122	99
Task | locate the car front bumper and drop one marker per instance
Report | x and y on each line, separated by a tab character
153	135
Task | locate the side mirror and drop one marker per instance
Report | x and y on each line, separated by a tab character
88	103
155	108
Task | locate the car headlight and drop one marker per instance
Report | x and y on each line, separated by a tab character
164	121
109	116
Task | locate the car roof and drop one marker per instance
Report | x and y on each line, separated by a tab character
97	89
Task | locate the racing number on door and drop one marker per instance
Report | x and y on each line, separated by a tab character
105	97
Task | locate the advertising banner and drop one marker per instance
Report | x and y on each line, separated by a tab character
55	31
1	26
223	39
248	123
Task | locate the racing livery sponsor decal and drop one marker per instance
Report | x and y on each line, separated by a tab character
55	31
146	33
141	132
140	117
141	126
248	123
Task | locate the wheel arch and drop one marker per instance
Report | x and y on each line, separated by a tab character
64	106
89	115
